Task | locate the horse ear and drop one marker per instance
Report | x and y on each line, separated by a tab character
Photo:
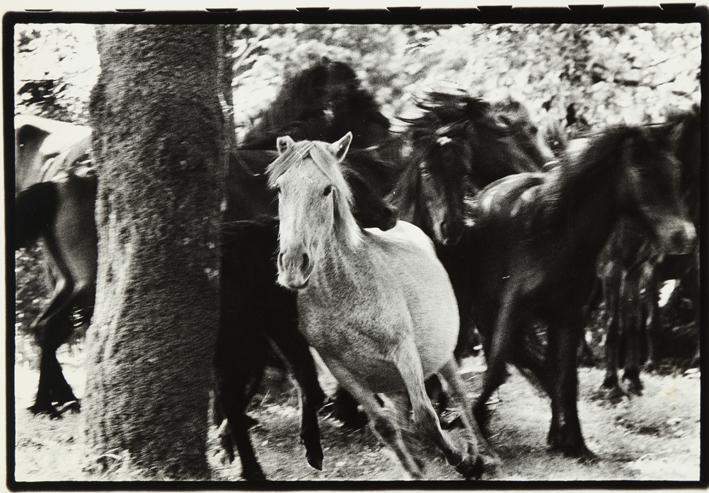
339	149
284	143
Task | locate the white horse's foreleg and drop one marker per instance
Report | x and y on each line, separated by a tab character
450	373
408	363
382	425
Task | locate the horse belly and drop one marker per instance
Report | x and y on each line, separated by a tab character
367	357
381	376
435	321
437	340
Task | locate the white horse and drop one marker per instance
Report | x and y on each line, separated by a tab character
378	306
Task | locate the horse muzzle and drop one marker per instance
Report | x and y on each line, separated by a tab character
294	269
451	232
384	218
389	218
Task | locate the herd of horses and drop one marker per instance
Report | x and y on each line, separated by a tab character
398	252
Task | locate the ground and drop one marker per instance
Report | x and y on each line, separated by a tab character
655	436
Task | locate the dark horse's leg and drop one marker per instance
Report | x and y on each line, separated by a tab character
565	430
633	329
239	365
54	327
344	408
83	298
497	351
295	352
71	244
611	293
652	320
46	326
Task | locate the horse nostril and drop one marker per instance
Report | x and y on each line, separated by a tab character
451	230
306	262
280	261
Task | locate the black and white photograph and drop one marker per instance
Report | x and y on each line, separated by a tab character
337	252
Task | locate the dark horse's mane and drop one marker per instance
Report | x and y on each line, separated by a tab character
684	128
379	173
445	116
573	182
322	102
448	115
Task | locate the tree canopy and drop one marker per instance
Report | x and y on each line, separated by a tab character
612	73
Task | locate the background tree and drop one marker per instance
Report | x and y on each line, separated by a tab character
158	146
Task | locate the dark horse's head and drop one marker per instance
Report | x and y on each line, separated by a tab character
527	140
554	136
323	102
460	145
684	131
648	178
654	185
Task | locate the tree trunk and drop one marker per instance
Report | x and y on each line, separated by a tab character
158	144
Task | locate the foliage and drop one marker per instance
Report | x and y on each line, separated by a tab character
611	73
31	294
56	66
32	291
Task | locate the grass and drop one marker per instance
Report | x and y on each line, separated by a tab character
655	436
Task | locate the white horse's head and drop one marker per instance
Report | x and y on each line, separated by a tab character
313	205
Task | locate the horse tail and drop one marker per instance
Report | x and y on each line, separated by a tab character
35	211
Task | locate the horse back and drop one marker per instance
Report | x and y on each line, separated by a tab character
403	235
44	148
510	198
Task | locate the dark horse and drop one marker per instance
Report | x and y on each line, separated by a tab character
626	268
45	148
323	102
51	204
630	269
61	214
460	145
537	237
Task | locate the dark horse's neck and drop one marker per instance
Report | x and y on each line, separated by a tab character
586	204
408	199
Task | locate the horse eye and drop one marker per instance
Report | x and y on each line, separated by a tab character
534	130
327	190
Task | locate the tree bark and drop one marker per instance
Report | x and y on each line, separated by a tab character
158	144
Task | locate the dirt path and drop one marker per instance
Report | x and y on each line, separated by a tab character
652	437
